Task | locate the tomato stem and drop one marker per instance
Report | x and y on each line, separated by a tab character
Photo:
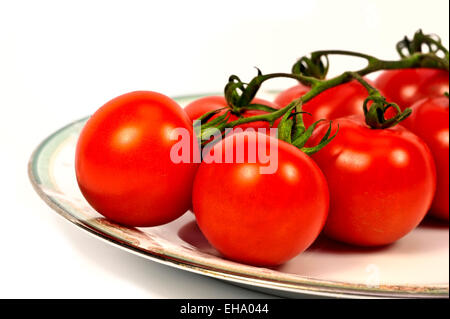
312	70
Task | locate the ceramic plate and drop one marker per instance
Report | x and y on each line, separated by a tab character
415	266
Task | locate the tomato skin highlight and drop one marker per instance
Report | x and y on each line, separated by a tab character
407	86
123	165
430	121
381	182
342	100
260	219
206	104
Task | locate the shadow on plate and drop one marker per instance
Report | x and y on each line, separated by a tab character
433	223
327	245
192	235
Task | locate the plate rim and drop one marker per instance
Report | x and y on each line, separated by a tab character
310	286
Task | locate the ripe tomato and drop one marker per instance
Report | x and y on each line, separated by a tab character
408	86
210	103
342	100
204	105
123	163
430	120
254	217
382	182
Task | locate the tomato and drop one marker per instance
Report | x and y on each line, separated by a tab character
204	105
123	163
382	182
408	86
287	96
339	101
210	103
430	120
255	217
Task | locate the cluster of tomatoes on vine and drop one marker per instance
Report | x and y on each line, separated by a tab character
361	162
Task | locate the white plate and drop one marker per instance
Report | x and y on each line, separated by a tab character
415	266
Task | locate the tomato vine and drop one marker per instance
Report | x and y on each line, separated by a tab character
422	51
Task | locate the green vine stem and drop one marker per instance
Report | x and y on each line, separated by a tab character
312	71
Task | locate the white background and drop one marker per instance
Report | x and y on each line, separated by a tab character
61	60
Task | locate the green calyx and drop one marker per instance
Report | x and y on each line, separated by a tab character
206	126
239	95
375	114
291	129
429	46
315	66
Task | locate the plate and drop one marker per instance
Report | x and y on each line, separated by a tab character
415	266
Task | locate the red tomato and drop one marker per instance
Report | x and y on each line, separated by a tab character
408	86
288	95
430	120
382	182
123	163
256	218
210	103
204	105
342	100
